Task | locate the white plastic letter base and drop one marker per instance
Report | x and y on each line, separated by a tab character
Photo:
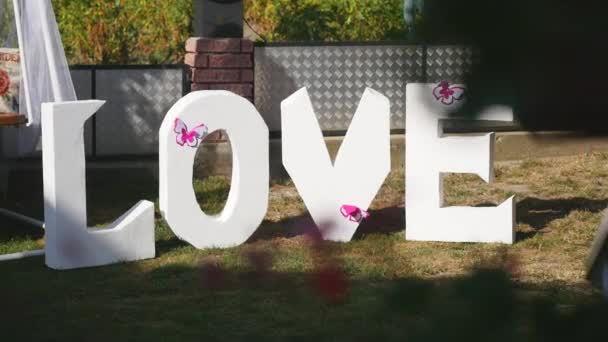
68	242
181	132
362	163
430	155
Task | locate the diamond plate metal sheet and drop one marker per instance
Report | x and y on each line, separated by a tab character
336	77
137	101
83	85
449	63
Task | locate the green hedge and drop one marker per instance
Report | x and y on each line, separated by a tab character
327	20
123	31
154	31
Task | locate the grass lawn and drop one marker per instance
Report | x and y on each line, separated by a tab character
284	284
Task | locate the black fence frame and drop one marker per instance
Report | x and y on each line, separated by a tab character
93	68
460	126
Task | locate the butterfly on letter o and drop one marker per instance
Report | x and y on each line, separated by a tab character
447	93
186	137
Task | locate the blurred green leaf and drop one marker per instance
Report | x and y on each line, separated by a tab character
123	31
327	20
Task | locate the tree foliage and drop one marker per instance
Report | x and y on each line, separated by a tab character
154	31
6	21
123	31
327	20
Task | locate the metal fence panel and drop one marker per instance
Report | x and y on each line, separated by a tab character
448	63
137	101
82	80
336	77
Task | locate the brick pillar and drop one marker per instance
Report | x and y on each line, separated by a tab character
221	64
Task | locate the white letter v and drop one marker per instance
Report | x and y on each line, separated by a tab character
362	163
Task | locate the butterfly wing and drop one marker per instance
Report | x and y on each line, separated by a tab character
357	216
180	129
196	135
458	92
348	210
447	100
343	211
437	91
353	213
179	126
200	131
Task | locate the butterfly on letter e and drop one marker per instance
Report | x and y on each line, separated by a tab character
186	137
353	213
447	93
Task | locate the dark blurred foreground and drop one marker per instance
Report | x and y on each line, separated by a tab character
289	284
545	58
484	306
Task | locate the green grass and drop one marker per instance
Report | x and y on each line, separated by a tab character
283	285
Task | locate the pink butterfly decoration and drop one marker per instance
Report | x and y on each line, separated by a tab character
448	94
186	137
353	213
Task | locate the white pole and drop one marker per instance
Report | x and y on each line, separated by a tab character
22	218
21	255
604	277
44	23
26	80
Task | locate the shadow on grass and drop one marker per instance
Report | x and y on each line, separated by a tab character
383	221
184	302
538	213
179	299
107	200
110	193
12	229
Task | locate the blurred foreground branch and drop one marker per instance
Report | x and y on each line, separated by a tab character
545	58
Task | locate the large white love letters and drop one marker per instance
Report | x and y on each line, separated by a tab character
430	154
68	242
337	196
181	132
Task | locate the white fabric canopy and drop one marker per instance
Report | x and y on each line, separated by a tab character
45	74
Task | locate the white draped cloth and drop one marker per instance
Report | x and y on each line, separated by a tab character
30	25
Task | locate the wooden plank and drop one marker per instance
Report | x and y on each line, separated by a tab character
12	119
